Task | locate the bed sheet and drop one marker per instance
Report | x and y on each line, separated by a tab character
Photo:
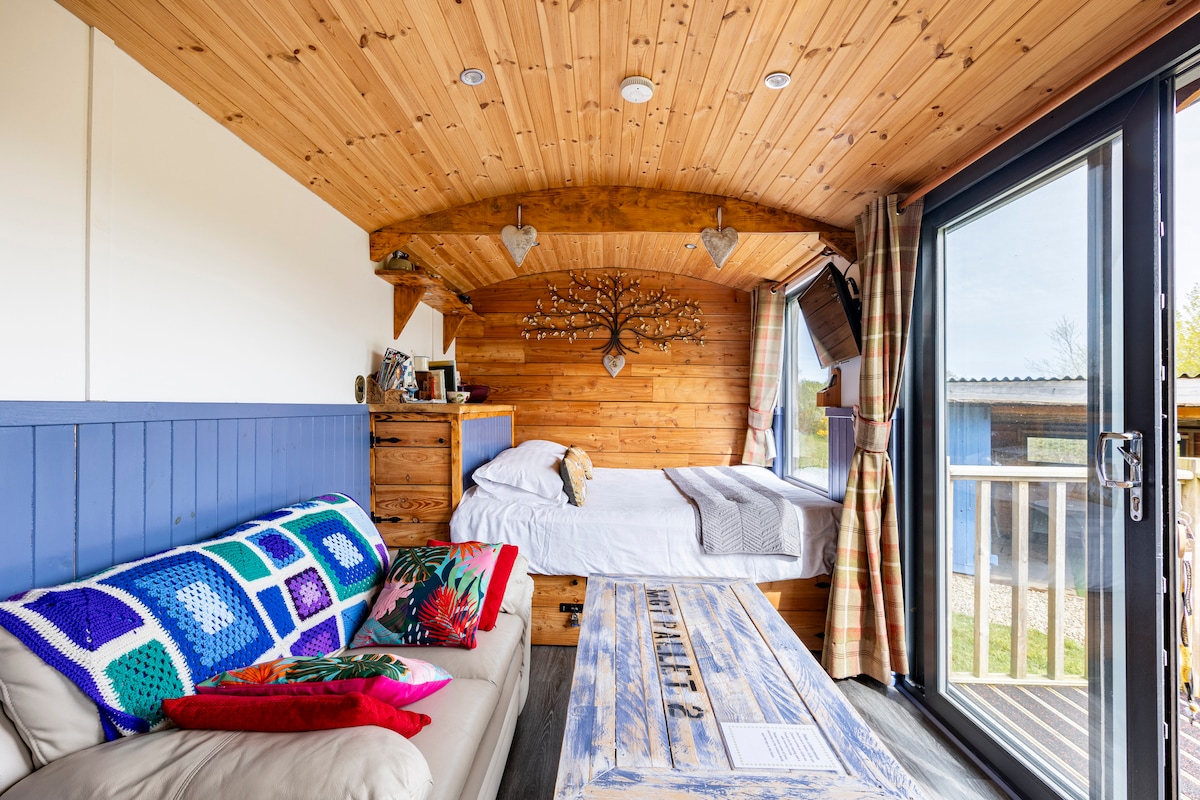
636	522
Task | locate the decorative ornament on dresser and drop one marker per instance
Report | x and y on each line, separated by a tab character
614	306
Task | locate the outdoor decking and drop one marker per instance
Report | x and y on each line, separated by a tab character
1053	721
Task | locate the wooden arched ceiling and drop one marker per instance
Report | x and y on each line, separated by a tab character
361	100
611	226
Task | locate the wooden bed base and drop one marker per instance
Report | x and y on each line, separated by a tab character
801	602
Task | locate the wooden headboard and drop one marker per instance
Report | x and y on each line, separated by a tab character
84	486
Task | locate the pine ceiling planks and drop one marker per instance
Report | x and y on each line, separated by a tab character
361	101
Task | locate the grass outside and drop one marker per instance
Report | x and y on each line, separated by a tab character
962	651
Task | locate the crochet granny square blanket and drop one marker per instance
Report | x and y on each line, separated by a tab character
295	582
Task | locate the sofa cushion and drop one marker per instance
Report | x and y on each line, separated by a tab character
294	582
497	586
460	713
365	763
288	714
487	662
383	676
432	596
15	760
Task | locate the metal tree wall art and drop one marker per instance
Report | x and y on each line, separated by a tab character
615	306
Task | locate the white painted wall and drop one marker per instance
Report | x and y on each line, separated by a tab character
147	254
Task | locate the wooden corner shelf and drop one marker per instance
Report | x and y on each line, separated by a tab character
412	286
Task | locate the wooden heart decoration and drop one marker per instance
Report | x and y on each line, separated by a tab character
518	240
719	243
614	364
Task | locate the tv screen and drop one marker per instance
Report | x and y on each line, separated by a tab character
833	317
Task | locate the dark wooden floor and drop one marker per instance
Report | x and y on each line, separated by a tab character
928	756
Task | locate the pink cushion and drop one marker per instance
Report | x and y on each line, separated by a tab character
389	691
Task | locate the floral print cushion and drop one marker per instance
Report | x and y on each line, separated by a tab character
393	680
328	668
432	596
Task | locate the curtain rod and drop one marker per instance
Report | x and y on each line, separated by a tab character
1117	59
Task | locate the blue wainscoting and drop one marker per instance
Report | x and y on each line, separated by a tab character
84	486
483	438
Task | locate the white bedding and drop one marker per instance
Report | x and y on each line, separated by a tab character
635	522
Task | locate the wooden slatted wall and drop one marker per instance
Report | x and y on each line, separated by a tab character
84	486
685	407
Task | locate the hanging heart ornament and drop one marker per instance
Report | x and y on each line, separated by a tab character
518	240
719	243
614	364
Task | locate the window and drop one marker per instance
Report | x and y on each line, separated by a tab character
806	440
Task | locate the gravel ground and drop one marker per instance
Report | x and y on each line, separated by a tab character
962	601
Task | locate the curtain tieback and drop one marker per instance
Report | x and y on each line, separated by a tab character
871	436
761	420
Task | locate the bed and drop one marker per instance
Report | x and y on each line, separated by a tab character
635	522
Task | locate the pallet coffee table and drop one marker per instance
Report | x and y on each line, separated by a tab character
698	688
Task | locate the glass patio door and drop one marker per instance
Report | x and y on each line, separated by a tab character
1048	563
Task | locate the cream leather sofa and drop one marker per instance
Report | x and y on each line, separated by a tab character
461	754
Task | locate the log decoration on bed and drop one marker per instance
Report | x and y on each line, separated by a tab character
616	306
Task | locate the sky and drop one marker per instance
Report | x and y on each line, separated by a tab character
1015	272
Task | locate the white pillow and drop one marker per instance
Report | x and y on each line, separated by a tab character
559	450
523	475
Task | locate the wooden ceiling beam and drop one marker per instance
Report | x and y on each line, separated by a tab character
602	209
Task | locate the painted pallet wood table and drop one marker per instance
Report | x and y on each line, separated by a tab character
663	664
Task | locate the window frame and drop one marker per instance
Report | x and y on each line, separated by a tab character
793	326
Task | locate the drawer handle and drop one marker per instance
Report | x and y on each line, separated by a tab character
441	440
575	581
377	519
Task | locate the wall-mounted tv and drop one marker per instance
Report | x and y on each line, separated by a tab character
833	317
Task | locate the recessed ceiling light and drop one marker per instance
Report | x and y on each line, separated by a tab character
637	89
472	76
777	80
690	246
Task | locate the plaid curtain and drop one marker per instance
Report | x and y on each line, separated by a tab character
766	353
864	631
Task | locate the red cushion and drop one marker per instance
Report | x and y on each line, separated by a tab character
498	584
321	712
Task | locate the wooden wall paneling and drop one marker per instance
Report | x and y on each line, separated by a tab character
683	407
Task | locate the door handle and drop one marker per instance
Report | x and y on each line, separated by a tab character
1130	449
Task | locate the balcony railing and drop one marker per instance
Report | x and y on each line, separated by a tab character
985	479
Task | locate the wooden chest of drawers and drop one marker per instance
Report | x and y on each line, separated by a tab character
422	457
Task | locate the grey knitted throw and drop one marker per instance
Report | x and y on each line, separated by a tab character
736	514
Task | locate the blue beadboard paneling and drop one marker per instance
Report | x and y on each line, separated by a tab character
94	530
207	476
87	485
227	477
183	482
841	450
482	440
129	491
54	501
16	498
158	486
